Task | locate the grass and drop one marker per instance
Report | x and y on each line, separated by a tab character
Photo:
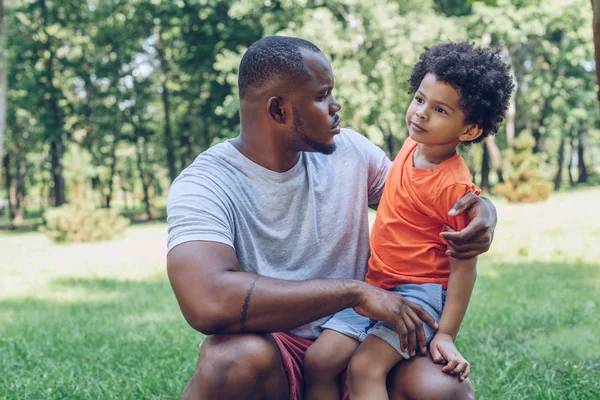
99	320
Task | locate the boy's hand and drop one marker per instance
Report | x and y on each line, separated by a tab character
443	351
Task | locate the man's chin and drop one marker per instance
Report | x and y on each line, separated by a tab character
323	148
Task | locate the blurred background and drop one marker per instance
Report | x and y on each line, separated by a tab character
104	102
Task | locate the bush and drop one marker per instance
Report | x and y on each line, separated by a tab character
83	223
524	183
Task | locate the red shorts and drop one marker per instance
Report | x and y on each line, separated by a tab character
292	349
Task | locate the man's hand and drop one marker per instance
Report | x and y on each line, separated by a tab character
443	351
406	316
477	237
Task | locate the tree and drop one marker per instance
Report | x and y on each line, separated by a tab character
596	27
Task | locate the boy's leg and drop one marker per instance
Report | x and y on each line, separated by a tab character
325	359
369	368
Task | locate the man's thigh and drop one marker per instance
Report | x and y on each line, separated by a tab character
421	378
243	366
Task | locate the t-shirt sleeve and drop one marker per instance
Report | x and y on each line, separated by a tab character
446	200
197	209
378	166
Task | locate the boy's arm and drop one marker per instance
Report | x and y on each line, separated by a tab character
458	294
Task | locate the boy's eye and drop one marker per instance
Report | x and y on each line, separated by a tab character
441	110
418	100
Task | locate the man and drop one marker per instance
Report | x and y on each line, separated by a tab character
268	233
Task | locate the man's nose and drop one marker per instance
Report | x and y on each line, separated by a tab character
335	106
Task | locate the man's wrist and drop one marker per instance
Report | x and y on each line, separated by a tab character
355	290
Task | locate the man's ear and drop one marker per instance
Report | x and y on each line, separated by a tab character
276	109
471	133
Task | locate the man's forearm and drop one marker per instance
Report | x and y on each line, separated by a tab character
243	302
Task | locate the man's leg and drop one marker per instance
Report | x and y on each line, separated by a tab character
240	366
421	378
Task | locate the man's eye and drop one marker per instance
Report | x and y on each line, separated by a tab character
322	98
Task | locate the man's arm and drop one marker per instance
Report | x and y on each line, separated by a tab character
477	237
215	297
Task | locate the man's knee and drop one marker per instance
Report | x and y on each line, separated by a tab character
422	379
238	360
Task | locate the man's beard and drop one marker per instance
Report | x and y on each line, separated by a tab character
301	133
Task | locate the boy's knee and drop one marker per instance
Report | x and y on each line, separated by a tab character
362	366
317	365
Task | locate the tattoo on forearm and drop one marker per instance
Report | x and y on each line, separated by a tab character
246	302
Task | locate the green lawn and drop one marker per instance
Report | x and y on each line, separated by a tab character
99	320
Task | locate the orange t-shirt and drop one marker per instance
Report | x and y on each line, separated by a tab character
405	243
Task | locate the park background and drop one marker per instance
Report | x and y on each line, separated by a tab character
104	102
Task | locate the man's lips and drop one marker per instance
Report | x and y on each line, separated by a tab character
336	122
419	127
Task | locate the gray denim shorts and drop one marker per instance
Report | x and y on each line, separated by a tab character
430	296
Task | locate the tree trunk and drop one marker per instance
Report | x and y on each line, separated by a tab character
20	190
495	156
140	164
111	178
166	106
3	88
561	160
571	164
596	27
9	188
471	163
583	174
485	171
55	124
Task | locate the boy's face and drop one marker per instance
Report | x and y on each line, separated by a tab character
434	116
315	118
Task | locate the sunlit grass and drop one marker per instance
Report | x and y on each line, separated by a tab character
100	321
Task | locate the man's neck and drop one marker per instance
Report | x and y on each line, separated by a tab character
266	151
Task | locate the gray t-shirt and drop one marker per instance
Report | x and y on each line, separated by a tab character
310	222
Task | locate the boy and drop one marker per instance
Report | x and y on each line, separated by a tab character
461	95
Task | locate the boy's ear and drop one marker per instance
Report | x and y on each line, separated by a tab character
471	133
276	109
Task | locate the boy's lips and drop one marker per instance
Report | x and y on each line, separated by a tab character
419	127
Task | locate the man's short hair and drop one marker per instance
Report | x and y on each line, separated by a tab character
271	58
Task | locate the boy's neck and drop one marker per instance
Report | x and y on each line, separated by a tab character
429	157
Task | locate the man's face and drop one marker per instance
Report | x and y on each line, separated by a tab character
434	116
315	118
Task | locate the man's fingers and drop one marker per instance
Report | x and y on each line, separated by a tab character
402	333
463	256
464	236
423	315
474	245
419	331
411	335
466	202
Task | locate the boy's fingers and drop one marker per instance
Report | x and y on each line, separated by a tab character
401	329
412	336
465	374
435	355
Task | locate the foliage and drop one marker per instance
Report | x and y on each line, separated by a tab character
524	183
143	87
83	223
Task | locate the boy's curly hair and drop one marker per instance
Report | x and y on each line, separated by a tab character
482	79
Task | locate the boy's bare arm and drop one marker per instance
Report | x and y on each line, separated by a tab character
458	294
